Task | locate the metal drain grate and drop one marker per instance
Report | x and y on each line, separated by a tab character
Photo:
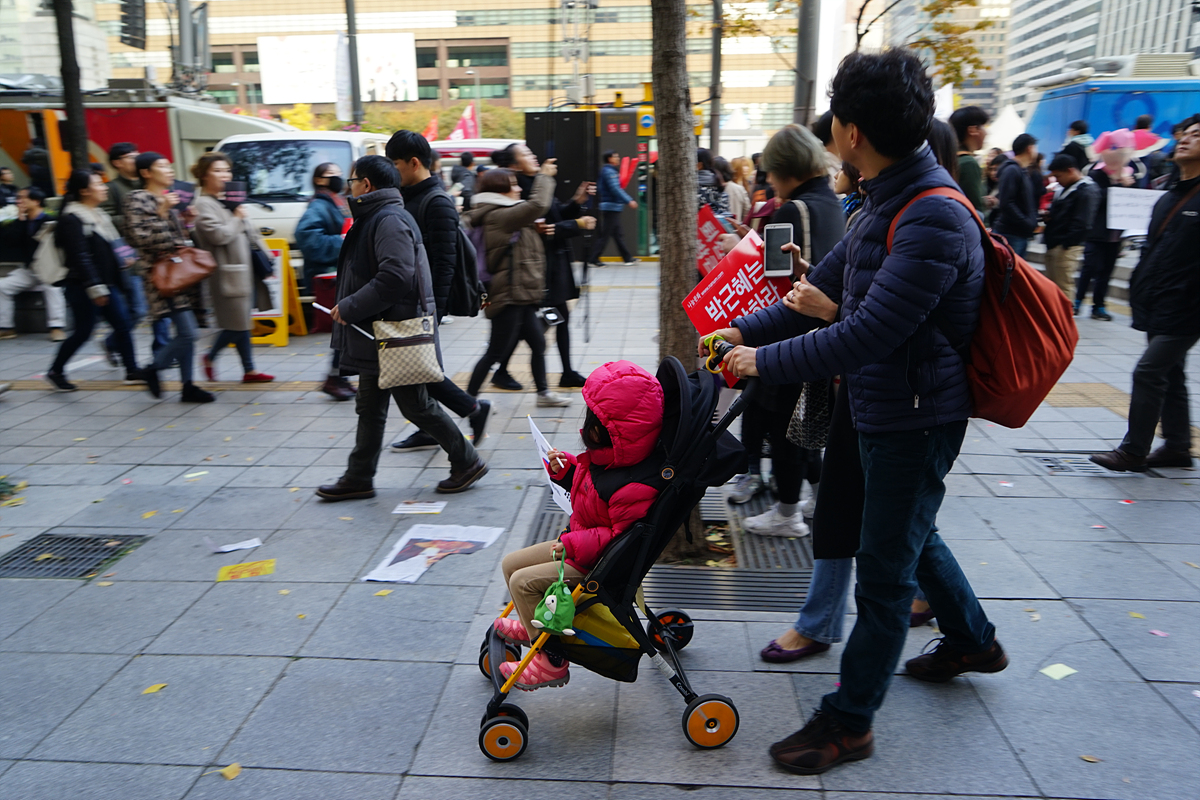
726	589
766	552
50	556
1057	463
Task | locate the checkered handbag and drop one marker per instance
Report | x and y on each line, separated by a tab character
407	352
809	427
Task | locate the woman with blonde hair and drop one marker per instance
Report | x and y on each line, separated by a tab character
232	240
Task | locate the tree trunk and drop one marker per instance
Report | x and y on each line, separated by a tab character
76	127
676	196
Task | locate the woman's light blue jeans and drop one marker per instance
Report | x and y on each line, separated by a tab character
825	609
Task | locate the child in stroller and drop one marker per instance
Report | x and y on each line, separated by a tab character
621	429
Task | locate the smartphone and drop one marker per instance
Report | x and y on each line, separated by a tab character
727	224
775	236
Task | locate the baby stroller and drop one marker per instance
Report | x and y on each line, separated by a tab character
693	454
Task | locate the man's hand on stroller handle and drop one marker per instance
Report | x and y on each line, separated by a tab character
742	362
557	459
731	335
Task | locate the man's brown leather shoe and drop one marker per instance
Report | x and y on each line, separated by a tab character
461	481
344	491
1120	461
821	745
1164	457
946	662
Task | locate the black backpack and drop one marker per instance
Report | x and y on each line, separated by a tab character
466	292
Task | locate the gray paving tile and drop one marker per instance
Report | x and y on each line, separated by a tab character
12	538
1043	519
994	465
38	779
1104	569
329	555
397	626
1153	521
47	506
148	476
184	556
1180	558
126	506
1052	723
188	722
72	475
995	571
650	713
1102	488
275	784
420	787
570	733
1183	696
253	619
122	618
354	716
242	509
265	476
207	475
1173	658
959	751
661	791
373	514
40	690
956	520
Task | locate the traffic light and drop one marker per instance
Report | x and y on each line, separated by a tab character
133	23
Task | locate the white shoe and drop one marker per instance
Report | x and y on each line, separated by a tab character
773	523
744	487
446	320
549	399
808	507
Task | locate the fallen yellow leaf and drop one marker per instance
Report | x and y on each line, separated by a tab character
257	414
301	616
105	583
294	489
231	772
1136	615
13	501
81	439
149	514
23	485
285	591
139	430
158	687
229	438
346	518
170	426
49	557
1192	564
383	593
177	511
1092	759
6	535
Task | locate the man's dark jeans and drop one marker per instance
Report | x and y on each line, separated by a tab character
1160	392
1099	260
610	228
371	405
904	472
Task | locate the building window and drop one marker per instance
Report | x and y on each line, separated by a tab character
427	58
250	61
226	97
223	62
253	92
428	91
466	90
477	57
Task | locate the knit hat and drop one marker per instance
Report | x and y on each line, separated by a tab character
120	150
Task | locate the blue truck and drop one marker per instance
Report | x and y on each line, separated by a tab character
1111	103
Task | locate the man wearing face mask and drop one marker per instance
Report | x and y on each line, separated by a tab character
319	237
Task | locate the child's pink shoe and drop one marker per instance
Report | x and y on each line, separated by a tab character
511	630
538	674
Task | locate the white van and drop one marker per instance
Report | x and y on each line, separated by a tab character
278	170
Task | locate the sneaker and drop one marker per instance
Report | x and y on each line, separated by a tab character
461	481
821	745
808	507
338	388
548	399
344	491
630	263
257	377
478	419
194	394
1101	314
572	380
418	441
945	662
502	380
59	382
134	377
512	630
446	320
7	333
538	674
1166	457
57	335
773	523
745	487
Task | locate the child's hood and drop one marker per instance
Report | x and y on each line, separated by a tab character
628	401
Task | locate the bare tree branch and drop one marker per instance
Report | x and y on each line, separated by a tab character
860	32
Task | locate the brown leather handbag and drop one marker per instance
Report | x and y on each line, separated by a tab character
181	269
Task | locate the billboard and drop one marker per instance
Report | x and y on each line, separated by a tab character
305	69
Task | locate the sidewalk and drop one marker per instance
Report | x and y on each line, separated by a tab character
378	697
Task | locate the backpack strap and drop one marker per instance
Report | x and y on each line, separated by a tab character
1162	226
805	227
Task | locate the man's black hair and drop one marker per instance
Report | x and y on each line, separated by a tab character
1143	122
888	96
35	194
606	155
380	171
120	150
405	145
1063	163
1080	127
966	117
1023	143
466	159
823	128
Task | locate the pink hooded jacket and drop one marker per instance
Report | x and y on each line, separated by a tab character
628	401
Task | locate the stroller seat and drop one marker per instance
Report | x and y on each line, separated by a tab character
693	454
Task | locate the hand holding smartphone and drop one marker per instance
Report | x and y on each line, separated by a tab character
778	263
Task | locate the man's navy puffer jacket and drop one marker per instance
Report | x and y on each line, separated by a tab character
899	367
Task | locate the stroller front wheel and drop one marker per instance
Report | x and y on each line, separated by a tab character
503	738
710	721
678	624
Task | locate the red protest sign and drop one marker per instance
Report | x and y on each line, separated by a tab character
708	237
736	287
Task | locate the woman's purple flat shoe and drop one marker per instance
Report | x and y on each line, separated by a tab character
918	618
777	655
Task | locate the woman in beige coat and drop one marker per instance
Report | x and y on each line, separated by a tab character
229	236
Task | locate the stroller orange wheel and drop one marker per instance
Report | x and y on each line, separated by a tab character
507	710
503	738
678	623
511	653
710	721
